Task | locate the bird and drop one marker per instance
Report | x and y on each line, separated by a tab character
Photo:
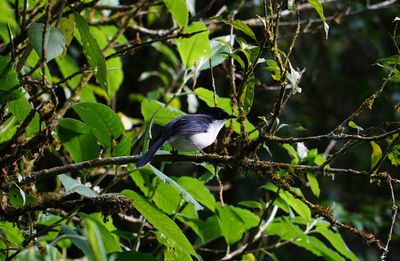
189	133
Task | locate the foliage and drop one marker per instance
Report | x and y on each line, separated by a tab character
310	160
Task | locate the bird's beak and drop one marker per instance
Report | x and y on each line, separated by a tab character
232	117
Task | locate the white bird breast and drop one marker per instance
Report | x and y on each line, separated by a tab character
199	140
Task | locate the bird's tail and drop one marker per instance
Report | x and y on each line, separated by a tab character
148	156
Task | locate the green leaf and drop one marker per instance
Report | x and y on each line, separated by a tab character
296	204
182	192
169	54
7	14
179	11
316	4
196	48
252	204
31	62
166	197
219	52
110	240
77	139
336	241
376	154
160	221
78	241
198	190
288	231
248	94
73	186
123	148
239	25
312	180
115	74
16	196
11	233
8	129
9	88
20	109
292	152
92	51
54	41
164	114
67	25
234	222
210	230
353	125
67	66
273	67
208	97
103	122
95	240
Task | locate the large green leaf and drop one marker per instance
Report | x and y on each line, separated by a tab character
9	87
166	197
54	41
336	240
92	51
103	122
160	221
77	139
196	48
296	204
210	230
74	186
110	240
288	231
198	190
179	11
234	222
95	239
164	114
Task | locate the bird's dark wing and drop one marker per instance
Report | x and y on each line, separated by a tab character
190	124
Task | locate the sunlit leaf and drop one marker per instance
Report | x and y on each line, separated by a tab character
179	11
314	185
376	154
9	88
239	25
164	113
160	221
195	48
